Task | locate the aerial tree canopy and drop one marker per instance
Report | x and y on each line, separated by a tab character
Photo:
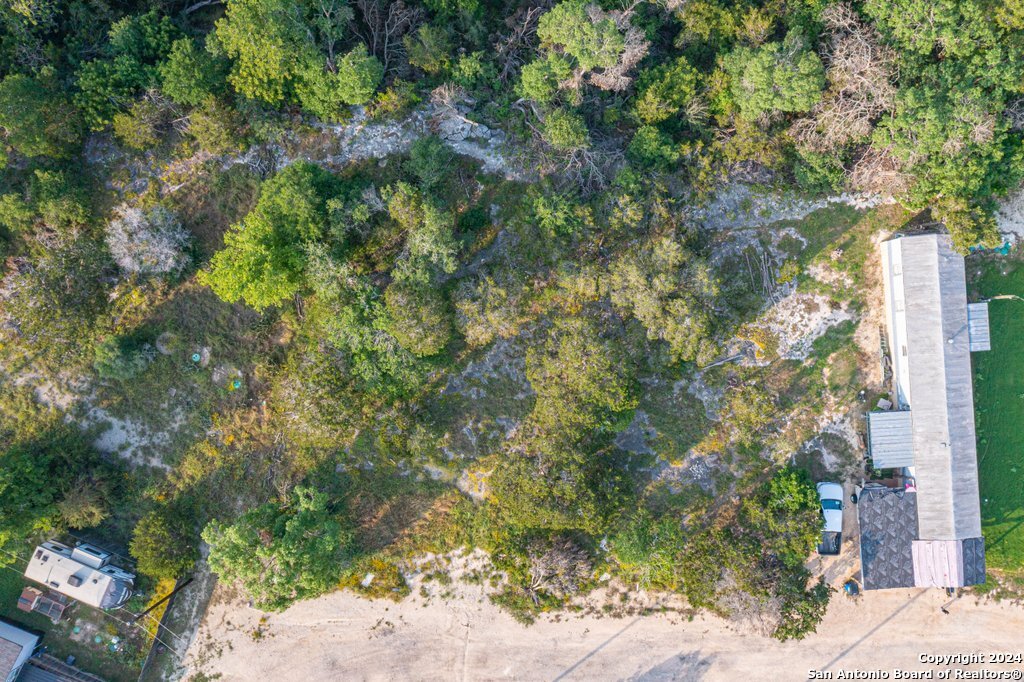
281	553
787	77
263	260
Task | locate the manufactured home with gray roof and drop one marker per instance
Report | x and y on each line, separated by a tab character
930	437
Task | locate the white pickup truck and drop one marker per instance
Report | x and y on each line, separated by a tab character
831	497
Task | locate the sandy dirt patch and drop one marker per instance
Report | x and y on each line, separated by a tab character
799	319
343	637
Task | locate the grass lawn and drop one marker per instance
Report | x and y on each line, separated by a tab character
999	403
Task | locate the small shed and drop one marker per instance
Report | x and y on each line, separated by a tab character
50	605
891	439
977	327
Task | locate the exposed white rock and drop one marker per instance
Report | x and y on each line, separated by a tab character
740	205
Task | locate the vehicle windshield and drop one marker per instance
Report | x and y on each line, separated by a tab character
831	504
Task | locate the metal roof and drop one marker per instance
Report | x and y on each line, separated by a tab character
888	527
926	307
891	439
53	565
977	327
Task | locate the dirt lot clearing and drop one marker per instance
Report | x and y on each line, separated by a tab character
342	637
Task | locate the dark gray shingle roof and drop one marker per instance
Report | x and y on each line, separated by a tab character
888	528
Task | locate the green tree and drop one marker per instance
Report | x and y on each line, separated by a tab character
420	317
802	609
1010	15
582	380
539	80
969	225
281	554
146	38
663	91
84	503
359	75
268	45
555	488
51	198
263	258
785	76
783	516
37	117
429	49
216	127
952	139
164	543
27	497
349	318
41	460
121	359
54	305
324	92
136	44
647	549
651	148
107	85
593	44
566	130
430	160
672	292
557	215
191	75
430	242
954	27
141	126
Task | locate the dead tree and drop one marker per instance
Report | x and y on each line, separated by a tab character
514	48
861	72
636	45
559	569
384	24
880	172
1014	114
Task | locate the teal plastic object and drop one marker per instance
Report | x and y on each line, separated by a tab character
1003	250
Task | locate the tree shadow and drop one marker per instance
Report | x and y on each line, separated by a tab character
1009	531
681	666
842	654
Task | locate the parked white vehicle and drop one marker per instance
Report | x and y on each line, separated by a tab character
830	495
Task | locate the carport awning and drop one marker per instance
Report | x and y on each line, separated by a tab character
891	439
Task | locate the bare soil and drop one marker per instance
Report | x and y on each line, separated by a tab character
465	637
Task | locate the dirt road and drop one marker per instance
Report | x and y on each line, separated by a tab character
342	637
